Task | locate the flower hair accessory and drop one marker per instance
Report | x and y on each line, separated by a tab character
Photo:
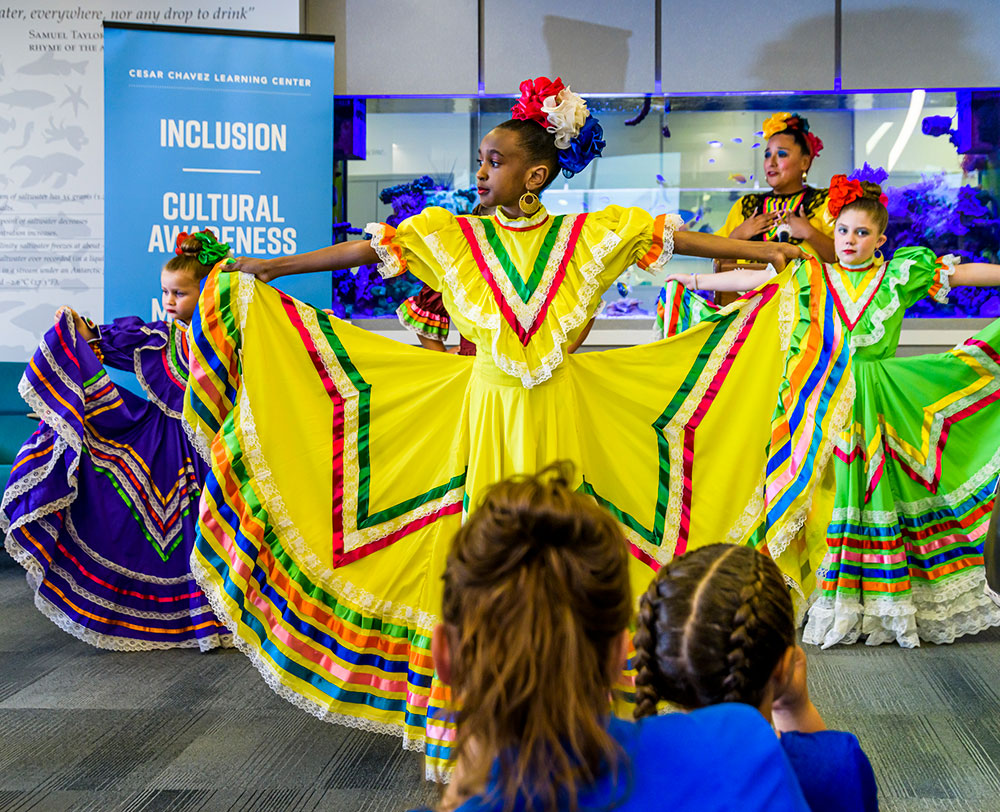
780	122
578	134
842	192
211	249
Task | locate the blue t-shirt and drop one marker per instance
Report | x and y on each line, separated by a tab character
833	770
720	758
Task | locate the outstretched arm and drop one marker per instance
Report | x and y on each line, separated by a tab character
730	281
336	257
976	275
699	244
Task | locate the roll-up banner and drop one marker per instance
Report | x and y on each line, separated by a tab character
231	131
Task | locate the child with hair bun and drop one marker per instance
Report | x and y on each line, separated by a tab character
335	606
900	519
534	630
716	626
102	501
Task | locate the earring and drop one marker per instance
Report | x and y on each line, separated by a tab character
877	256
529	203
805	177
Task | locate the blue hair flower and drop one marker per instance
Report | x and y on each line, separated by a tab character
588	144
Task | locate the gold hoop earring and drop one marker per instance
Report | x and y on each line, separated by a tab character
877	256
529	203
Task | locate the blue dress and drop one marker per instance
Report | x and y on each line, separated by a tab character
724	757
833	771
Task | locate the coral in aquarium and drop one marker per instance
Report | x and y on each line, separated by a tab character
964	221
366	294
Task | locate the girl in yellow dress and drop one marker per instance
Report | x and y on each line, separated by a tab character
792	211
343	462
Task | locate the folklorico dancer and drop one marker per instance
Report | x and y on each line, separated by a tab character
900	520
336	606
102	504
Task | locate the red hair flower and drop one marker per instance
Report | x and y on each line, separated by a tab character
842	192
180	241
534	92
815	144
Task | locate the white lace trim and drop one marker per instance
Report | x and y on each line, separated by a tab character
389	265
956	497
993	596
989	376
948	263
51	418
794	522
29	481
537	218
547	364
220	606
60	373
671	223
156	506
34	576
524	312
164	348
291	537
853	308
936	613
879	316
355	537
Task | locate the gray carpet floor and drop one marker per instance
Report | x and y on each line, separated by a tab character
177	731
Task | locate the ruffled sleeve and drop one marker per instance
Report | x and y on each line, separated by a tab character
425	315
410	247
645	240
156	352
922	274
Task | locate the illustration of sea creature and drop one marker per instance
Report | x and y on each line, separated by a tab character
28	129
26	98
41	168
75	98
48	65
73	134
7	124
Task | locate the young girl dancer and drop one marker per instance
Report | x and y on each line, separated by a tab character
902	526
537	579
717	626
335	607
792	210
102	503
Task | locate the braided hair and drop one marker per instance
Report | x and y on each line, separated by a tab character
536	598
712	627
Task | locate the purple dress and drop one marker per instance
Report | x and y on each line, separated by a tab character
102	503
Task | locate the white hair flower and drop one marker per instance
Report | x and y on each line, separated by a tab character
566	113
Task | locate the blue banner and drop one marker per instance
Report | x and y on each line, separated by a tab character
213	130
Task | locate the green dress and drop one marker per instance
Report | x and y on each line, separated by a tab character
903	510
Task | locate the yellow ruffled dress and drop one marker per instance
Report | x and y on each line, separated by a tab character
342	462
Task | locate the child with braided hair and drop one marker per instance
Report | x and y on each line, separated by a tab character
716	626
102	502
534	631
